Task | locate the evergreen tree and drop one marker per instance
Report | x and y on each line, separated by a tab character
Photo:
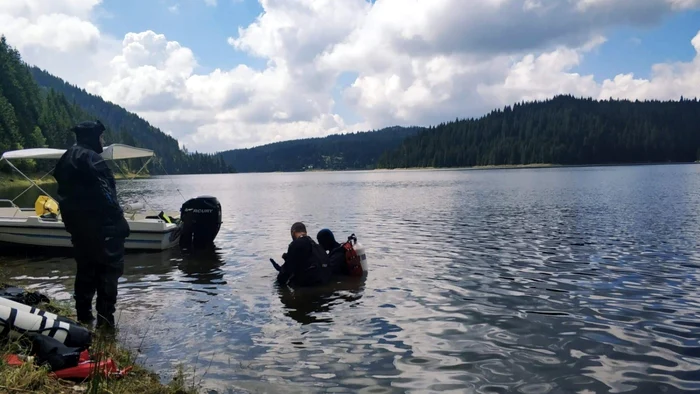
562	130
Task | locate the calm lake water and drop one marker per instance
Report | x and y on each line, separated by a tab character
571	280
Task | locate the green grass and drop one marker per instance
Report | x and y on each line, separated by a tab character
16	180
30	378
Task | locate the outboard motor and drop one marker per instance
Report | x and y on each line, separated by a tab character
201	222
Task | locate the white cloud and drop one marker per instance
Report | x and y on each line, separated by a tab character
416	62
175	8
668	81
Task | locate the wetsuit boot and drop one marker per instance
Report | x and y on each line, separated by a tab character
85	316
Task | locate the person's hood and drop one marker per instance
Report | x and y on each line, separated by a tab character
88	134
326	239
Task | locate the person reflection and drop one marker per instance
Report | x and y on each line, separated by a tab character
202	266
303	304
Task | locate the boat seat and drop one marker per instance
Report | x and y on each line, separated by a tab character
50	217
162	216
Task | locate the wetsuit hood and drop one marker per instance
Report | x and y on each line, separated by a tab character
326	239
88	134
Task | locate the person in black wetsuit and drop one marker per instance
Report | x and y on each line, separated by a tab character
336	252
87	199
305	263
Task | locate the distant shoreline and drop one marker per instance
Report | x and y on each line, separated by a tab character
536	166
478	168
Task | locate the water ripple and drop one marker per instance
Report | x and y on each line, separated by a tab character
528	281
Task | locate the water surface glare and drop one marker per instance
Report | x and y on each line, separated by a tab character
570	280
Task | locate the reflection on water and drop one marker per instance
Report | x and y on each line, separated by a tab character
202	267
530	281
306	304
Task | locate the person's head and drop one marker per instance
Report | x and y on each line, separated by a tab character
326	239
90	134
298	230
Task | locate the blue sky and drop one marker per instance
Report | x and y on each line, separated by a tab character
637	49
200	27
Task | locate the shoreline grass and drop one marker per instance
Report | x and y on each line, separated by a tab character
16	180
30	378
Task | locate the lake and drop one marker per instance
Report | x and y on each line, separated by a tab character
560	280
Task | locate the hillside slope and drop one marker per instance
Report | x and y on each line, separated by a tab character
131	129
562	130
30	117
335	152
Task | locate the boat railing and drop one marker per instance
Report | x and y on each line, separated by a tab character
9	202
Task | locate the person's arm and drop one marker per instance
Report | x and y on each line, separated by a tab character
97	169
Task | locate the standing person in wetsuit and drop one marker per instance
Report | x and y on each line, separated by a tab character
87	198
305	263
336	252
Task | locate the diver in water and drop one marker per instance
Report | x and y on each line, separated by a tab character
305	263
346	258
87	198
336	252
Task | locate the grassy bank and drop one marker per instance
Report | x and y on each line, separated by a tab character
16	180
30	378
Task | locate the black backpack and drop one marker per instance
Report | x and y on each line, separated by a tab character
317	268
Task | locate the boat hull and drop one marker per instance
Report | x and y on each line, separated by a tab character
34	231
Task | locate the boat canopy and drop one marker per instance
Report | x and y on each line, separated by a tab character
111	152
36	153
122	152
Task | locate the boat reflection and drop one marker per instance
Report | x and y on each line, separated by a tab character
202	266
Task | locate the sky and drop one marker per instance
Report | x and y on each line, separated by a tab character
225	74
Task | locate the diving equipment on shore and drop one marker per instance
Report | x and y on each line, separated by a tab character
35	311
22	296
57	342
15	321
201	221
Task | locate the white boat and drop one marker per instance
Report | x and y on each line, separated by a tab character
33	227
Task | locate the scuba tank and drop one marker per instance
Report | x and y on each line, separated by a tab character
355	256
16	322
29	309
360	250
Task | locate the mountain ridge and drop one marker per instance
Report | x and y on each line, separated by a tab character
349	151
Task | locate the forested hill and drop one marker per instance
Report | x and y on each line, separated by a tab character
131	129
29	117
562	130
350	151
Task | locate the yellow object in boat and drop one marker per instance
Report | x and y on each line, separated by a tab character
44	205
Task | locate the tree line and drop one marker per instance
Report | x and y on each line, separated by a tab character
352	151
562	130
38	109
